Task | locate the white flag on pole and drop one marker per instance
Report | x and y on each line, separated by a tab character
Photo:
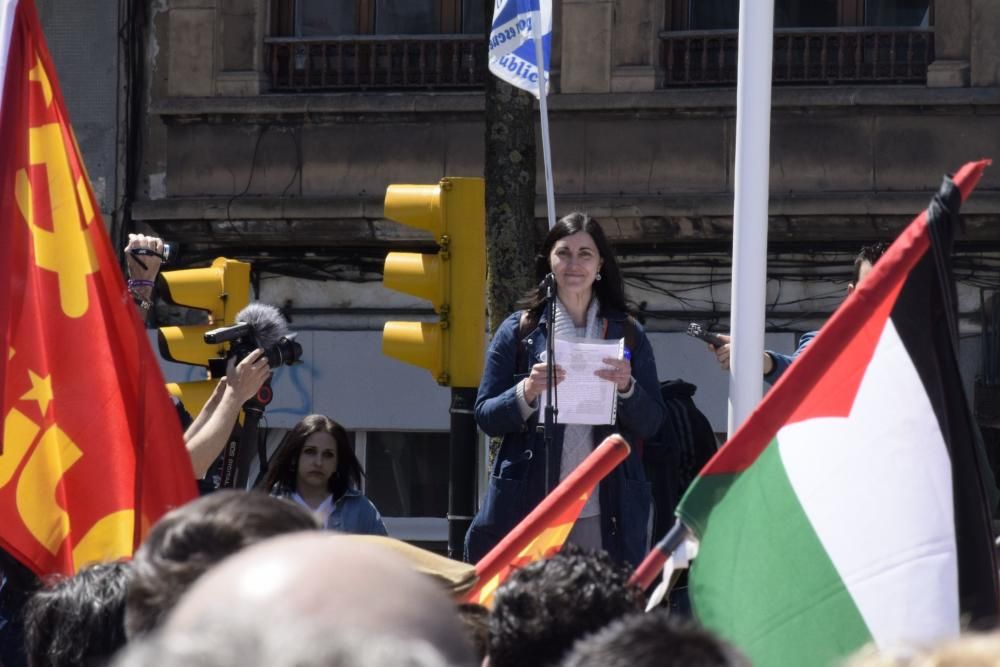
512	49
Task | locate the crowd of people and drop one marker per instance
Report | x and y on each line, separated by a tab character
252	578
244	578
249	579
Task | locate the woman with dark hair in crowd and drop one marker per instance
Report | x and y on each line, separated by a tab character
315	466
590	304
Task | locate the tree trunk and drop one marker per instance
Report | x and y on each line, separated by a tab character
510	193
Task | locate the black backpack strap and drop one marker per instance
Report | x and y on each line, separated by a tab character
524	326
629	331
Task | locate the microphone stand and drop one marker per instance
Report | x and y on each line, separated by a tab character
551	395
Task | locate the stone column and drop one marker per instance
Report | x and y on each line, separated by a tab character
635	44
587	30
242	69
191	31
985	47
952	39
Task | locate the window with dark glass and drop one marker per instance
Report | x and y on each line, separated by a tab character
326	18
800	14
413	17
474	17
714	14
906	13
408	473
311	18
815	41
725	14
376	44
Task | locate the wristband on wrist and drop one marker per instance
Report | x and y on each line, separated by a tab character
136	282
141	302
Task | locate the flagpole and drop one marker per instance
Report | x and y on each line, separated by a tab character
652	564
543	112
753	134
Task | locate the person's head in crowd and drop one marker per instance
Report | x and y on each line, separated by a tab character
871	656
864	262
315	455
77	621
653	640
476	621
190	539
543	608
972	649
333	581
240	641
594	269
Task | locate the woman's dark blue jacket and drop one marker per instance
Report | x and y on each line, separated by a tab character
516	483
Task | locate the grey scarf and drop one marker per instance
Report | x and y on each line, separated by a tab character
578	439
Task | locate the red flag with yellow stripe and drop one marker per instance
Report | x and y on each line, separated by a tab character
92	451
543	532
546	544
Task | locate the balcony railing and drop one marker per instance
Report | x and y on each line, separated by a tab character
364	62
803	56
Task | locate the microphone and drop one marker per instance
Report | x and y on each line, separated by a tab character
268	324
548	282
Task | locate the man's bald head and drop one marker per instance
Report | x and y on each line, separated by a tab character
326	579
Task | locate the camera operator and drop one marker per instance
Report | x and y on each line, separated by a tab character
208	433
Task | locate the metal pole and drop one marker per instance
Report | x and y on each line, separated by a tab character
753	136
652	564
461	469
543	112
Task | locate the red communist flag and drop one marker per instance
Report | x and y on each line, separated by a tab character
92	451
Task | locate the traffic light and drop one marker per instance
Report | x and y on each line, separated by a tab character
453	280
222	289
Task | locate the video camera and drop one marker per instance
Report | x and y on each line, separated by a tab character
259	325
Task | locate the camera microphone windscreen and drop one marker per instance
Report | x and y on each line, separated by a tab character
269	325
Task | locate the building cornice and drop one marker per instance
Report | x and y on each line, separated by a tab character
389	104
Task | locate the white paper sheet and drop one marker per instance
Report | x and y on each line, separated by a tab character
584	398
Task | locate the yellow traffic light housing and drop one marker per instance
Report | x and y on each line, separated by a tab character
417	343
453	280
193	395
222	289
186	345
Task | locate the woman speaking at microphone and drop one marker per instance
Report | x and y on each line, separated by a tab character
590	303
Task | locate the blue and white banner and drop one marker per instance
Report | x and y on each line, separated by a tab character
512	45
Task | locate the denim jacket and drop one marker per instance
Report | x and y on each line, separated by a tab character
353	513
783	361
517	481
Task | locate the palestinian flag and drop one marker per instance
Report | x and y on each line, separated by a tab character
850	507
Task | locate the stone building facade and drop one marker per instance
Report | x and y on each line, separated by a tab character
232	136
273	127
